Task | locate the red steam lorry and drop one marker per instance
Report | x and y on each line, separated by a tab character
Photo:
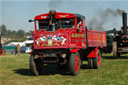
63	39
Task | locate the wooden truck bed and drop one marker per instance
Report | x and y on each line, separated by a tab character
96	38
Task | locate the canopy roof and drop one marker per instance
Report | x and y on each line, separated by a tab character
59	15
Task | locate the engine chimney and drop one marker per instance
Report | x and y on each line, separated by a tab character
52	16
124	19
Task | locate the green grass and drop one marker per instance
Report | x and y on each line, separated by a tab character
14	70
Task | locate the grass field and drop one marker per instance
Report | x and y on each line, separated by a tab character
14	70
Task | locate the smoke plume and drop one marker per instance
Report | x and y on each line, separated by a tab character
103	16
53	4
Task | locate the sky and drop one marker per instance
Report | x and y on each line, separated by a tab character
16	13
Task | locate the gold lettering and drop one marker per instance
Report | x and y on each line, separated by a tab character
78	35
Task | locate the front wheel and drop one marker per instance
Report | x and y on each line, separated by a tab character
74	63
35	65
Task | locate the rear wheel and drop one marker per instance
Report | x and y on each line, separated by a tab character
74	63
35	65
90	63
97	60
115	50
94	63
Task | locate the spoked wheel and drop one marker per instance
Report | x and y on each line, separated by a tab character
74	63
35	65
97	60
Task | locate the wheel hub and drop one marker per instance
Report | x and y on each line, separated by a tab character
77	63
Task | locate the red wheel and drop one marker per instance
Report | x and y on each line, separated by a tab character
77	63
97	60
74	63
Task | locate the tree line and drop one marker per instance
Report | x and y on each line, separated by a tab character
7	32
15	36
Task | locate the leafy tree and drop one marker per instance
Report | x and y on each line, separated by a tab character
9	32
14	32
17	36
20	32
30	33
3	29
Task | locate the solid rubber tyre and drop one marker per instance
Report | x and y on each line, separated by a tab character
90	63
74	63
35	66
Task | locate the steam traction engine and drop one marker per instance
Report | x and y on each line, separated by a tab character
120	39
63	39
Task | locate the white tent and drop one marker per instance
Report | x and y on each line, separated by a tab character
16	43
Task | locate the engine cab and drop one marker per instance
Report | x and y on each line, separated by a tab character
52	30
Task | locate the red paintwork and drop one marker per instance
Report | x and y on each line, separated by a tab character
68	38
99	59
93	53
96	38
77	63
74	50
58	16
55	43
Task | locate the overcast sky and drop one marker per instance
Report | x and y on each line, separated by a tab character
16	13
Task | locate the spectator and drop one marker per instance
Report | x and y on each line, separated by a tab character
18	49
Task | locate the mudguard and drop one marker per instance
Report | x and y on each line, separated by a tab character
74	50
93	53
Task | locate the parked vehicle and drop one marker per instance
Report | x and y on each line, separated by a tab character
28	44
2	51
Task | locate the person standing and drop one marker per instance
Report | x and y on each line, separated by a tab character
18	49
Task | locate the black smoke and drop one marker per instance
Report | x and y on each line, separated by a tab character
103	17
53	4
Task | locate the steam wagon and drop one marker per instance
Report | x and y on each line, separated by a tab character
63	39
